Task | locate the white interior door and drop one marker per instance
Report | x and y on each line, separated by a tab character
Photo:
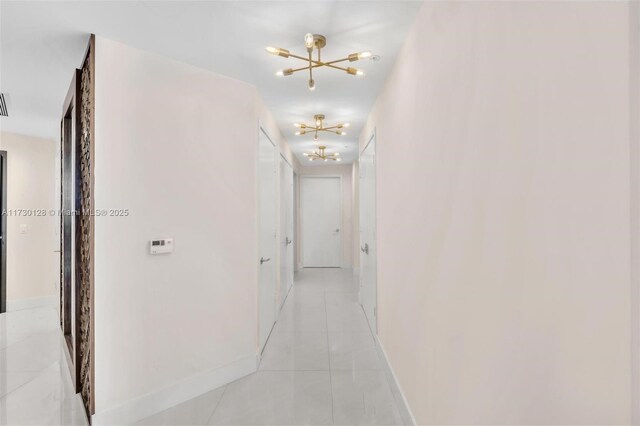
267	205
286	229
368	268
321	221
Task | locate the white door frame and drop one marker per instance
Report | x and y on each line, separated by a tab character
261	129
301	218
293	215
373	137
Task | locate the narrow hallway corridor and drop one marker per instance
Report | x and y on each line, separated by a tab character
320	366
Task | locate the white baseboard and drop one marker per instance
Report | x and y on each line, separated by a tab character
157	401
396	390
35	302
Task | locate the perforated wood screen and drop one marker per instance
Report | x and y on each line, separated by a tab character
84	230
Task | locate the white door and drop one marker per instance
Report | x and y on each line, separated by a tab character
321	222
286	229
368	268
267	205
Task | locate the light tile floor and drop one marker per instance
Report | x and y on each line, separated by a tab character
35	385
320	367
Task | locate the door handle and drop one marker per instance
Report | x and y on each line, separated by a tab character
338	230
287	241
263	260
365	249
56	251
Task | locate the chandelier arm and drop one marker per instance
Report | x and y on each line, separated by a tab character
324	64
299	69
331	128
310	67
317	64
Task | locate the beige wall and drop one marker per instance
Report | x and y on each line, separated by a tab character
175	145
503	218
344	171
32	265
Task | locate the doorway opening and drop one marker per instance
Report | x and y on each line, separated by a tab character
321	215
69	289
287	235
3	232
267	232
368	246
77	227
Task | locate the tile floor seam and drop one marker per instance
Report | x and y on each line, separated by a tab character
19	387
224	391
326	311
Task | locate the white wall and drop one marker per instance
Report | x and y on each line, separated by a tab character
176	145
32	265
503	218
345	171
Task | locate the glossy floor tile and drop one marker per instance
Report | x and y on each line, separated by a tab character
319	367
363	398
353	351
277	398
196	411
35	385
296	351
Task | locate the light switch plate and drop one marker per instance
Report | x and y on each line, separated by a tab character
161	246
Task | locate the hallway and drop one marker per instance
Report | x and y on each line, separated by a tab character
320	366
320	213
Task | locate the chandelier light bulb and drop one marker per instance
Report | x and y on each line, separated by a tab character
365	54
308	41
312	85
346	125
278	51
297	133
338	159
297	124
286	72
360	73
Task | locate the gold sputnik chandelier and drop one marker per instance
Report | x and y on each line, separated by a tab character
319	127
321	154
317	42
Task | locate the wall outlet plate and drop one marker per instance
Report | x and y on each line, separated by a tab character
161	246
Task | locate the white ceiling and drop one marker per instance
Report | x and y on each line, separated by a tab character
41	43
